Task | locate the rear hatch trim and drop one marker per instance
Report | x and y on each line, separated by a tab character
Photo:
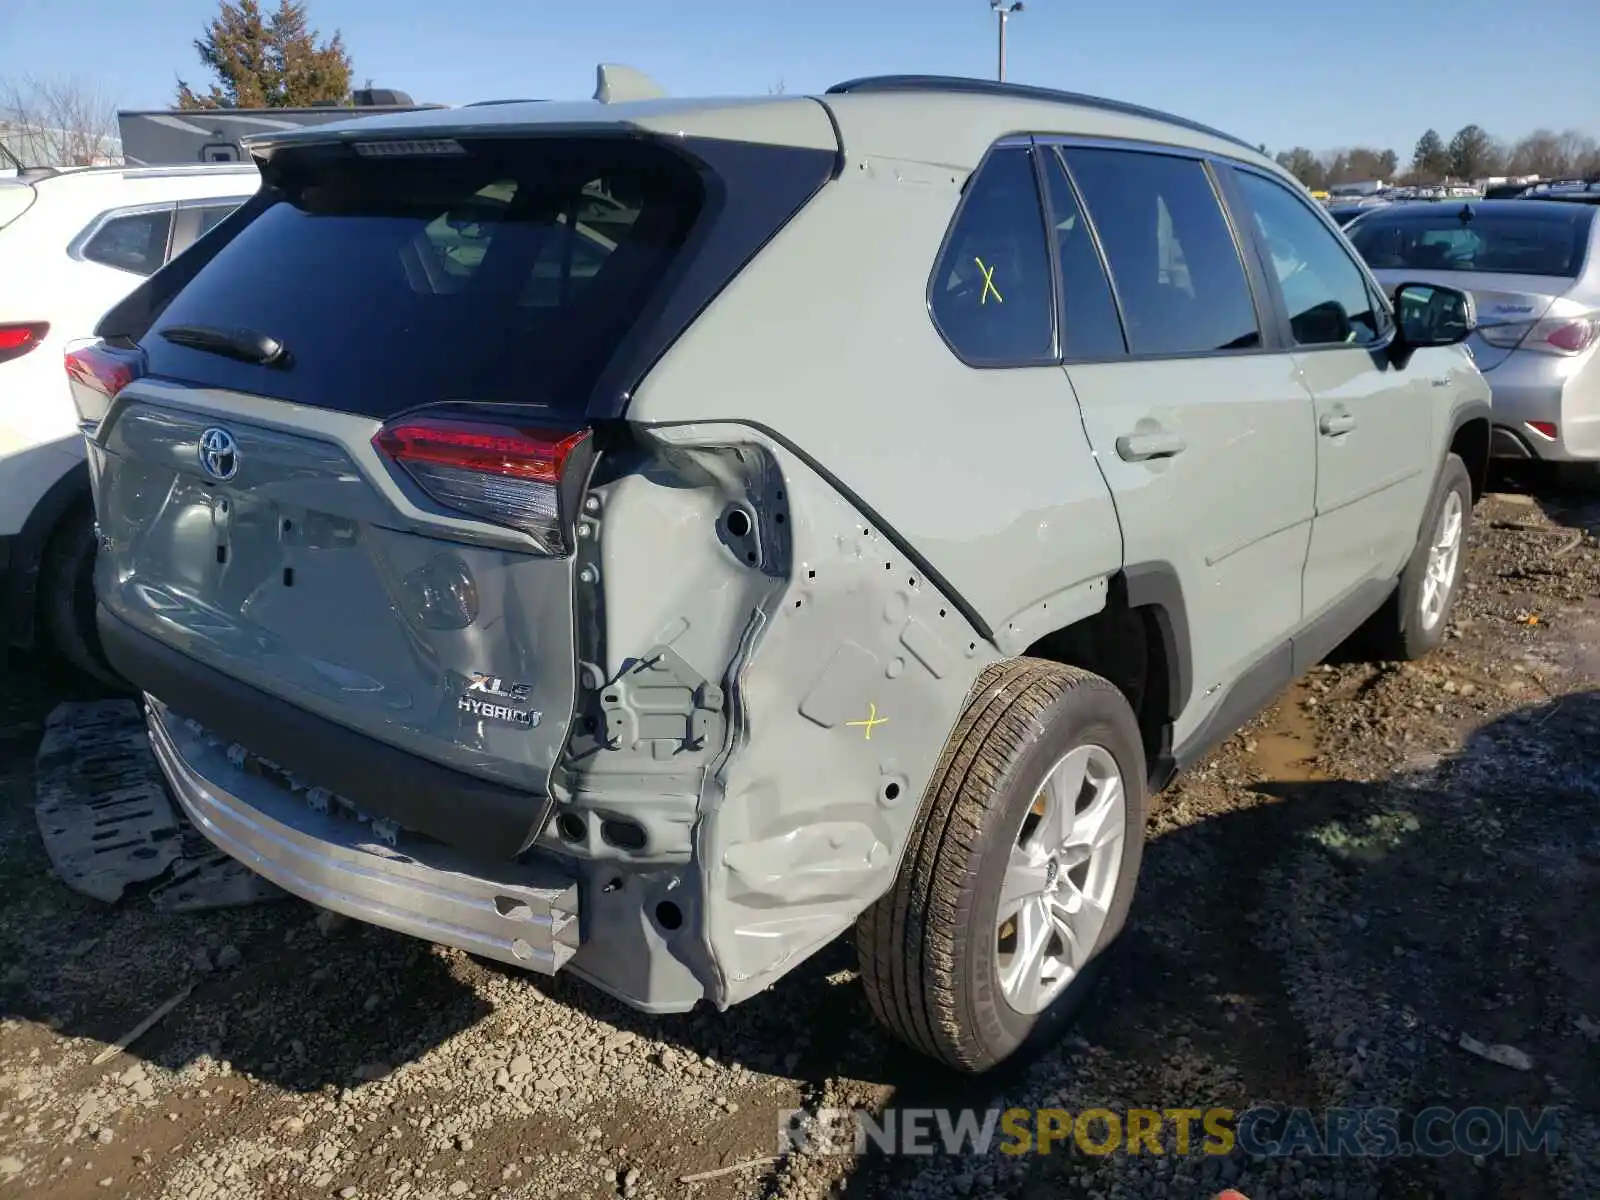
472	814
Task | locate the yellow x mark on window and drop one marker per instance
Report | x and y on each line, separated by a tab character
989	288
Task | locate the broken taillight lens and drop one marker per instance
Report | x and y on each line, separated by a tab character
503	474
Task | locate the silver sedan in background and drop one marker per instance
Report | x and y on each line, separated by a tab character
1533	268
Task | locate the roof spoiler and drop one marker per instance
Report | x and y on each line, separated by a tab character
616	84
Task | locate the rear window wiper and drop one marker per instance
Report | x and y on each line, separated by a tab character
246	345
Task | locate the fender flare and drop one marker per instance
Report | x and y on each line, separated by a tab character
1156	586
1472	410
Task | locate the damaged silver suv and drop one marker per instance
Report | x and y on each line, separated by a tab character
648	538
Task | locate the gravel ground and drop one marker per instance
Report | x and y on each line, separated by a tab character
1389	859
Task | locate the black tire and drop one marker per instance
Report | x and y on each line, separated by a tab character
1398	632
928	950
66	597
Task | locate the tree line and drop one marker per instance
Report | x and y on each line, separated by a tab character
1470	155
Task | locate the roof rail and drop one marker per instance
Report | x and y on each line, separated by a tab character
1021	91
510	100
174	170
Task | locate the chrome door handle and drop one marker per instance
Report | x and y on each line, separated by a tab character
1138	447
1333	424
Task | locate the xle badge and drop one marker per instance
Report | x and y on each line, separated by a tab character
483	690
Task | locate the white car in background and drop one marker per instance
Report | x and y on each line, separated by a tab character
73	242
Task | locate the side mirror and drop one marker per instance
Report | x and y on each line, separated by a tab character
1430	314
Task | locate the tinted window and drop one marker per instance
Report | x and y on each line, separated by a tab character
1178	275
991	295
1325	293
1437	238
508	273
136	242
212	215
1090	327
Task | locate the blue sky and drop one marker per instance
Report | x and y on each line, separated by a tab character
1325	74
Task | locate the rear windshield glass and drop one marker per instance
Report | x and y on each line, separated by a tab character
1543	243
507	273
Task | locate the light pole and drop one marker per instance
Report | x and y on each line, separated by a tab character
1004	9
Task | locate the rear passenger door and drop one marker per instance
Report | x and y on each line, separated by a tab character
1373	419
1194	408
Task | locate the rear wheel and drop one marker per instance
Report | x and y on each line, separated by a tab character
1019	872
66	596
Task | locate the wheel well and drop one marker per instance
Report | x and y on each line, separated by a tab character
1471	445
19	598
1126	646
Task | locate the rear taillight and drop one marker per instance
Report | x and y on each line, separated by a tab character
1568	336
97	373
508	475
17	339
1556	335
1545	429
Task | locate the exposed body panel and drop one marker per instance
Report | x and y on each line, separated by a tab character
973	468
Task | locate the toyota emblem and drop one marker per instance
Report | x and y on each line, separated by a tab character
219	454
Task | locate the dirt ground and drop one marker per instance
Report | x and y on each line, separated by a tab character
1387	860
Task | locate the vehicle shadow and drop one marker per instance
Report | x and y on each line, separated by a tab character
1328	946
1569	507
1460	894
260	988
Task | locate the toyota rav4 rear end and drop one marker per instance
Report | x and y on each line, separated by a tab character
428	632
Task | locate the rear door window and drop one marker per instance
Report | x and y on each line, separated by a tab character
507	272
991	294
135	242
1090	327
212	215
1176	267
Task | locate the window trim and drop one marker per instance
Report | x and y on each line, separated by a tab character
1052	357
1273	332
1044	150
1263	254
186	221
80	242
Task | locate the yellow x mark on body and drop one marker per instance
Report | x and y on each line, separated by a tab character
873	719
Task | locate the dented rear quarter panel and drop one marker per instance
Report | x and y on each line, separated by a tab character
920	518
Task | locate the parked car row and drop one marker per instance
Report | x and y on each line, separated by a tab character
648	539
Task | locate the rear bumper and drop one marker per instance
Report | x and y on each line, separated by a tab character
487	819
522	914
1530	387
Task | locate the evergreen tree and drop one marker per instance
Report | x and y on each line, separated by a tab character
271	60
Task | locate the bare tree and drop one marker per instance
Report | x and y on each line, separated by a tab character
56	122
776	89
